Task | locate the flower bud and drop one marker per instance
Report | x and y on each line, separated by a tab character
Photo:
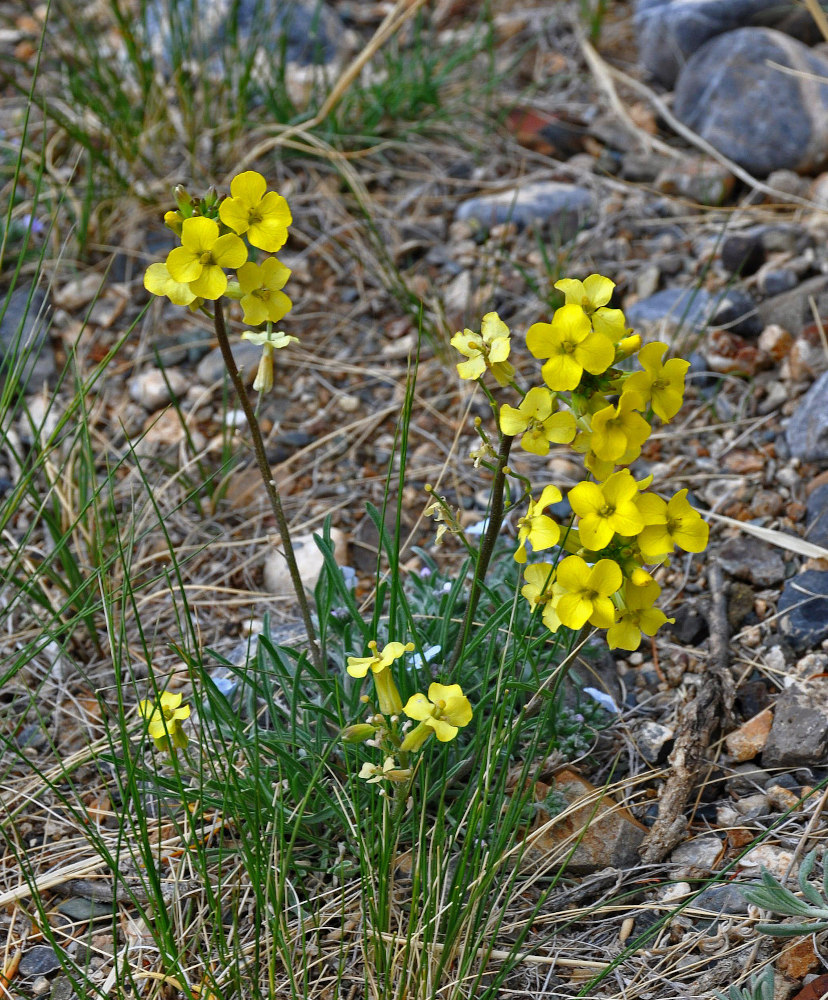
627	346
358	734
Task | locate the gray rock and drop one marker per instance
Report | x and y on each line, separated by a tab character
562	208
700	852
25	353
817	516
742	253
737	311
650	738
791	310
722	899
799	734
807	430
246	355
747	558
756	114
673	307
803	610
153	389
304	32
39	961
670	31
776	281
82	909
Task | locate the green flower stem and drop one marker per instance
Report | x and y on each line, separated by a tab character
270	485
486	548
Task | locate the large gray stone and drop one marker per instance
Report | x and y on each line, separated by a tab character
670	31
807	430
751	560
25	353
803	611
736	94
675	307
562	208
799	734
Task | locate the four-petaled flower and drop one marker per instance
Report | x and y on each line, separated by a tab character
607	509
541	590
536	527
537	420
619	431
159	281
262	297
164	720
637	616
202	256
262	216
572	347
270	341
662	385
373	773
588	592
487	349
670	523
443	712
591	293
379	663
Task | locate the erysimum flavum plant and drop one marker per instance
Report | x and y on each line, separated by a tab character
218	235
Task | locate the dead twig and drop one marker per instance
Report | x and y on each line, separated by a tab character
697	722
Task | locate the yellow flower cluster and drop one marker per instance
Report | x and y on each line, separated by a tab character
212	232
618	526
164	718
442	713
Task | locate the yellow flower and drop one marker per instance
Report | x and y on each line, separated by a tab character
638	616
591	293
164	720
668	524
612	324
373	773
587	592
618	430
541	589
659	384
378	663
487	349
536	420
444	712
203	254
262	215
536	527
270	341
157	279
606	509
262	298
571	346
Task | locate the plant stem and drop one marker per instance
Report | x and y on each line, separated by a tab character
270	485
487	545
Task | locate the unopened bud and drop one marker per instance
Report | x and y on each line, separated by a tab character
358	733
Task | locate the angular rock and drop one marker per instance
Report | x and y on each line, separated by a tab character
721	899
742	253
25	352
750	738
807	430
673	308
38	961
611	834
817	516
747	558
751	111
791	310
651	739
562	208
702	180
700	852
737	311
308	32
670	31
799	734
